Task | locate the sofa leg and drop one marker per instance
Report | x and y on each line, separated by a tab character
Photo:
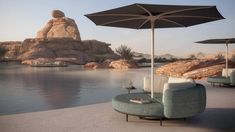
126	117
160	121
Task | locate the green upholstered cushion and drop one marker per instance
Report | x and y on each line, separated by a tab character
232	78
184	102
223	80
122	104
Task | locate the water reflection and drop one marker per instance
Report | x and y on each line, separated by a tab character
27	89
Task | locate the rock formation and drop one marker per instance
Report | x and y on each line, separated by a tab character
196	69
60	27
92	65
123	64
59	40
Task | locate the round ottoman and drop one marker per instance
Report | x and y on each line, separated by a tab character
121	103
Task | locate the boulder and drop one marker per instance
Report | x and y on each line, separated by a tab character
43	62
123	64
60	27
205	72
57	14
195	69
92	65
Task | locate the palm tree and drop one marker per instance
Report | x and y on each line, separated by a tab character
219	56
125	52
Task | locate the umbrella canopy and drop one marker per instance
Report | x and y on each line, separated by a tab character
225	41
148	16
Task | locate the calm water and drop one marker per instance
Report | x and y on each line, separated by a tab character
27	89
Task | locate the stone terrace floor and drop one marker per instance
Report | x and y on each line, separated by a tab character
218	116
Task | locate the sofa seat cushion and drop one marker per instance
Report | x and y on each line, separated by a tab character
122	104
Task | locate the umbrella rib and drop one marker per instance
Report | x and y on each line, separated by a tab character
129	19
143	24
190	16
150	14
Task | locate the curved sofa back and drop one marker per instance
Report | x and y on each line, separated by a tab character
232	78
159	82
184	102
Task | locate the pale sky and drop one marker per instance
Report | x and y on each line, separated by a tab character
22	19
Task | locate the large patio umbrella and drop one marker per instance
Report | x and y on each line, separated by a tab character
148	16
225	41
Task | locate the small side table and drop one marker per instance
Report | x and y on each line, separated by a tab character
130	88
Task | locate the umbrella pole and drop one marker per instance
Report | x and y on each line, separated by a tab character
152	58
226	59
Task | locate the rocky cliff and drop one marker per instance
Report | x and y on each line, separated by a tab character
59	40
63	49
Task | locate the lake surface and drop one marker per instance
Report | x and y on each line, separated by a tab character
28	89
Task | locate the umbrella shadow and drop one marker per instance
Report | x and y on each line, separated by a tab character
214	118
220	119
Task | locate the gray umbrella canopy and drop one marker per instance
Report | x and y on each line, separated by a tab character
225	41
148	16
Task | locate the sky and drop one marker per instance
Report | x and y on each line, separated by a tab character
21	19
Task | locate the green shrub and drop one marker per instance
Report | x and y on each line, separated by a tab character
192	57
125	52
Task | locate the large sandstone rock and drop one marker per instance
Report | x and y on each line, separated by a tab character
66	49
60	27
123	64
43	61
205	72
196	69
92	65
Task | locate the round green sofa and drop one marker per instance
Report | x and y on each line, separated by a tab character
177	100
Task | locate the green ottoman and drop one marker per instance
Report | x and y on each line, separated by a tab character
121	103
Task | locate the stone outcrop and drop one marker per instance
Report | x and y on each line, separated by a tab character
43	62
60	49
96	65
123	64
11	49
60	27
69	50
92	65
196	69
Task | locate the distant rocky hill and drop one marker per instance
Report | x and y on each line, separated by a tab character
138	56
58	40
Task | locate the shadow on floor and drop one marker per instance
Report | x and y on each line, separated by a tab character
211	118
